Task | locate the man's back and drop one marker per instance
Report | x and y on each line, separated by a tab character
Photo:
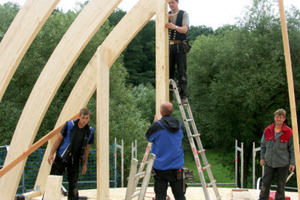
166	136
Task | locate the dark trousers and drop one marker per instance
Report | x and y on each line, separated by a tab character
161	180
282	173
58	167
178	57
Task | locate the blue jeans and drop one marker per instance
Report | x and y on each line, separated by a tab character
282	173
161	180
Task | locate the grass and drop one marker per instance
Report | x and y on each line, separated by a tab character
220	173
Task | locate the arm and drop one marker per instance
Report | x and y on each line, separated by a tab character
291	154
181	29
263	150
86	155
54	148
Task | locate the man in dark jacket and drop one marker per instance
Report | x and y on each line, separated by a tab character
72	147
178	26
166	136
277	153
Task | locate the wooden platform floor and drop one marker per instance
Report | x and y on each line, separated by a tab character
193	193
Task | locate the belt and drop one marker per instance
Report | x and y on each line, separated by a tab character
171	42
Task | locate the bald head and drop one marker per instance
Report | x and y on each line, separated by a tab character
166	108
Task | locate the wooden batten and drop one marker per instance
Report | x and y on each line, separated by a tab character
289	73
102	123
20	35
65	54
162	54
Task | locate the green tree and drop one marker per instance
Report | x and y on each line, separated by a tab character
196	31
139	56
237	80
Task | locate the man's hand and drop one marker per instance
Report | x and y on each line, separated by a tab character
170	25
50	159
170	16
262	162
291	168
84	169
155	118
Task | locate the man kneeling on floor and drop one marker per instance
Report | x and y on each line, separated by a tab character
71	147
166	135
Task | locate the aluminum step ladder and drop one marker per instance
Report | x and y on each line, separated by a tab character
195	136
134	176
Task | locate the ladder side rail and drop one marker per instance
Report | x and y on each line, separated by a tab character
130	187
189	110
143	163
147	176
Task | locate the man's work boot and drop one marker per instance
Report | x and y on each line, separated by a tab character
184	99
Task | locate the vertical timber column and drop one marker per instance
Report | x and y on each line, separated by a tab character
102	123
289	73
162	54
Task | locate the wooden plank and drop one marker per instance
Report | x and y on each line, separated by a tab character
162	54
20	35
86	85
34	147
32	194
241	194
53	188
65	54
103	123
289	73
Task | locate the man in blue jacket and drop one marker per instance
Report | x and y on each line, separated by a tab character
72	147
166	136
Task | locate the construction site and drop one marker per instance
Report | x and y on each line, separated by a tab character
95	77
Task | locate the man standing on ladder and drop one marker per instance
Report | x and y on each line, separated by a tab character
277	153
71	147
178	26
166	135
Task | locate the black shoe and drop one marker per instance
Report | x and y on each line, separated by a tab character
184	100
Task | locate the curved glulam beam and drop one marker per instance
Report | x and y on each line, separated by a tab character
78	35
115	42
20	35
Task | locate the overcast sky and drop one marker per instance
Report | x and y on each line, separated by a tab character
211	13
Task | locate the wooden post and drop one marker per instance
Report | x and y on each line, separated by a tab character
289	73
162	54
53	188
102	123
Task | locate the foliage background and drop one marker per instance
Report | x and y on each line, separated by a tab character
236	75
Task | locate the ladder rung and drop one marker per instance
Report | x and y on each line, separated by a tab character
195	135
140	175
188	120
211	183
201	151
207	166
135	195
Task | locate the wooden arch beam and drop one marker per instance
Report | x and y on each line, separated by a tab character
86	84
90	19
20	35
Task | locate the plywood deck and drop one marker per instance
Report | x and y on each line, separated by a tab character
192	193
